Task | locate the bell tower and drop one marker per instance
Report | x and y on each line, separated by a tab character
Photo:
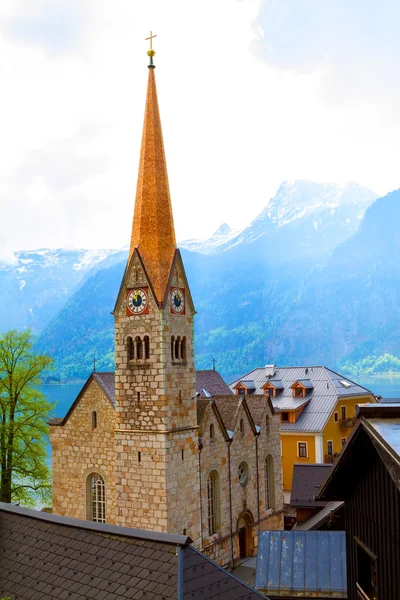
157	481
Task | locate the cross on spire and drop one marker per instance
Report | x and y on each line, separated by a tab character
151	52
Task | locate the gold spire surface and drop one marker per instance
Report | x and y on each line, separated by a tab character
153	230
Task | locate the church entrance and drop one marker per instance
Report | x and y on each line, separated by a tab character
245	529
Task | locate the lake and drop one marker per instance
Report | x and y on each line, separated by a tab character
64	395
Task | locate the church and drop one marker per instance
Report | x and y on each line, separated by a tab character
157	445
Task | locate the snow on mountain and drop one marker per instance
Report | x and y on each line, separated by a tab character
320	215
219	238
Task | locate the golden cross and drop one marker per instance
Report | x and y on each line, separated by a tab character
151	39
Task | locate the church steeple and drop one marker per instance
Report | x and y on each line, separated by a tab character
153	230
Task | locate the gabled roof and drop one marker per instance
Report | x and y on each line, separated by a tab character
323	515
248	383
210	382
276	383
289	563
378	427
48	556
307	479
323	396
306	383
257	407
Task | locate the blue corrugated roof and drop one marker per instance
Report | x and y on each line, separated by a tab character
301	563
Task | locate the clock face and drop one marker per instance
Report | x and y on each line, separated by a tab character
178	301
137	301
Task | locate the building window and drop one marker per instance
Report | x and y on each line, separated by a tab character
366	573
94	420
96	498
213	502
130	348
330	448
343	411
146	347
241	391
178	348
173	347
269	482
139	348
344	440
298	391
285	417
302	450
241	426
269	391
212	432
243	473
336	417
183	348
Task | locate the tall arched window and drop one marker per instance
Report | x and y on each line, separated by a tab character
183	348
146	347
269	482
94	420
172	347
178	348
96	498
139	347
213	502
130	348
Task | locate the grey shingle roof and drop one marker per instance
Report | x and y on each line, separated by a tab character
389	400
320	517
307	479
47	556
326	390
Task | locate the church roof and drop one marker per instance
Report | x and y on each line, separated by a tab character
210	383
153	230
49	556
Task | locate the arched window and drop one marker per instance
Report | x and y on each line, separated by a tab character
139	347
178	348
269	482
183	348
96	498
146	347
213	502
173	347
241	426
212	432
130	348
94	420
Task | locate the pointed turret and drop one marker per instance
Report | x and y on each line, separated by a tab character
153	230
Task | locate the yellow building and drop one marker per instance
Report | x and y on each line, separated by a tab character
317	408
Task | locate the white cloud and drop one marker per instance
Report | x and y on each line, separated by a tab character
236	123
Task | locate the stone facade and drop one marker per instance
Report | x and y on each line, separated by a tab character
78	450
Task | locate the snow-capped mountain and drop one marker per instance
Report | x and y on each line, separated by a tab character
219	238
39	282
303	218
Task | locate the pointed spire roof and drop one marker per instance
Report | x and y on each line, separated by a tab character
153	230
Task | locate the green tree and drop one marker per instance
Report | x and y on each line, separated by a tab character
24	468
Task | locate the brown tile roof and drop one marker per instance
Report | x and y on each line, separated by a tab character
211	381
153	230
47	556
257	406
202	406
228	408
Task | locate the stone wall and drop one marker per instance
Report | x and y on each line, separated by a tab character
78	450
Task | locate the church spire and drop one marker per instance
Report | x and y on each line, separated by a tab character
153	230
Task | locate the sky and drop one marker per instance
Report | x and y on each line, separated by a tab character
251	93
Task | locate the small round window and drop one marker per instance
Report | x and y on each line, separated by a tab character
243	473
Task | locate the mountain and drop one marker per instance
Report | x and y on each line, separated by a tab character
219	238
253	311
305	219
39	282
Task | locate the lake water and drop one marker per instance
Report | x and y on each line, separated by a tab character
64	395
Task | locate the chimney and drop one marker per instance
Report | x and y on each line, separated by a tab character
270	370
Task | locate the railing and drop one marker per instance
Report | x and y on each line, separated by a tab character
349	422
329	458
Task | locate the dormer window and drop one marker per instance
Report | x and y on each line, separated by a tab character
298	392
241	391
285	417
245	387
302	387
